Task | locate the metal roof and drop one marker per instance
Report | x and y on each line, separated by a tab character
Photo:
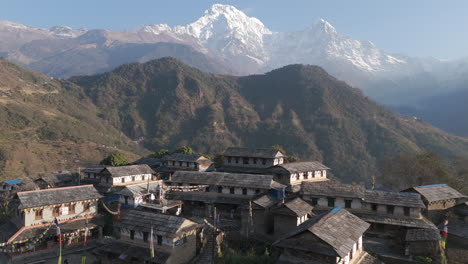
255	181
13	182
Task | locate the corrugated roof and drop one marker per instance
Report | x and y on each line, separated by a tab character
338	228
226	179
13	182
164	225
129	170
405	199
295	207
38	198
422	235
184	157
253	153
303	166
438	192
332	189
139	189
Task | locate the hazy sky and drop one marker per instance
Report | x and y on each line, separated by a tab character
411	27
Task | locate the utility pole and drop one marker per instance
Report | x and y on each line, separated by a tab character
214	235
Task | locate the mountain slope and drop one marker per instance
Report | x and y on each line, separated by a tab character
164	104
44	128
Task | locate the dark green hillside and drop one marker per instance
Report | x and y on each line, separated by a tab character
44	128
165	104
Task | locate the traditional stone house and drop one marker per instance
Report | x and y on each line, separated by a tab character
56	180
331	237
423	242
125	175
246	160
292	174
172	235
185	162
18	185
290	214
257	217
393	213
224	190
36	211
329	194
91	174
438	198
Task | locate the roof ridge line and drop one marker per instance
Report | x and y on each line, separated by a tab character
50	189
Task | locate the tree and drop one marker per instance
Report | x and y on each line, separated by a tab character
279	148
160	153
218	160
184	150
115	159
287	159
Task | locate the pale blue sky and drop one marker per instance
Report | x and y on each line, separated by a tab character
411	27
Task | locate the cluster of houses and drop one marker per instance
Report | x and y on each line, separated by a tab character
164	211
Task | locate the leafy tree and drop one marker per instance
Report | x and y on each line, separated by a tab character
279	148
115	159
184	150
160	153
218	160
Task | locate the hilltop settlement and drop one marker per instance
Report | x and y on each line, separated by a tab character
182	209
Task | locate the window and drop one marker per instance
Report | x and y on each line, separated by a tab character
86	207
132	234
133	178
56	211
390	209
244	191
331	202
257	191
185	238
306	175
297	176
122	180
145	236
245	160
159	240
263	161
406	211
254	160
348	203
126	199
220	189
229	159
374	207
71	209
188	164
173	163
180	163
237	160
38	214
231	190
314	201
107	179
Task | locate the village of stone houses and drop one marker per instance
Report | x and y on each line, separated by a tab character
181	209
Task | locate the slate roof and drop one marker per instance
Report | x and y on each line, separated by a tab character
294	207
95	168
164	225
332	189
57	178
184	157
422	235
129	170
303	166
38	198
397	221
404	199
152	162
118	248
265	201
226	179
338	228
139	189
437	192
252	153
65	227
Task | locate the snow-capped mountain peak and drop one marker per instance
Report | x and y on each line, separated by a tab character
66	32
